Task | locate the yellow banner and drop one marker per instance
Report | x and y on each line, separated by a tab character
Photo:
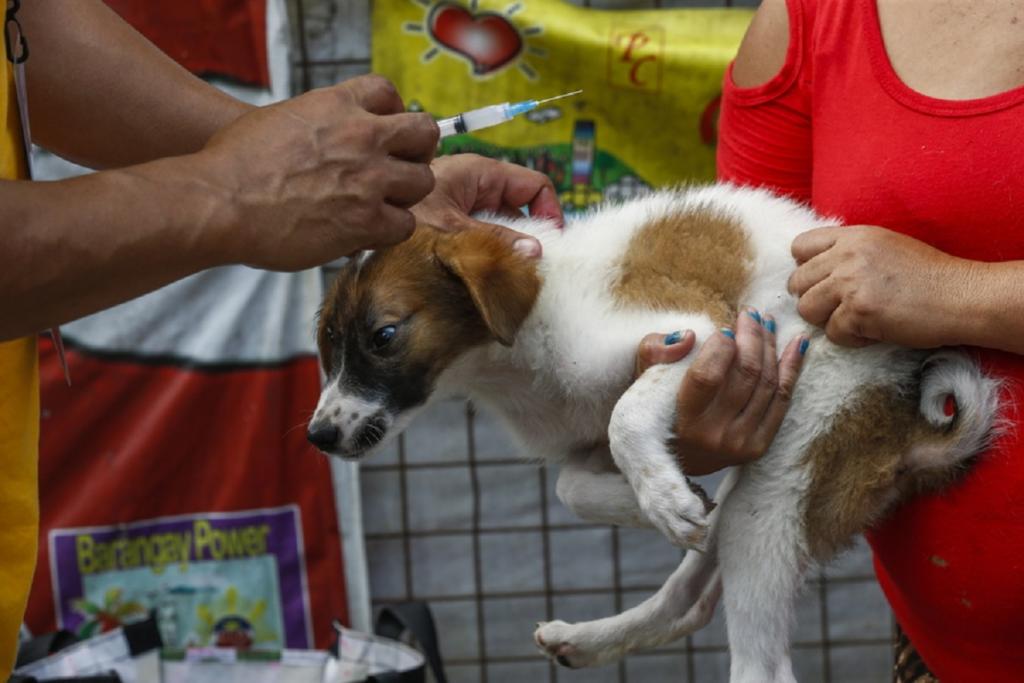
651	83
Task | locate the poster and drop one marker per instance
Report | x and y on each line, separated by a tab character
175	473
651	84
214	580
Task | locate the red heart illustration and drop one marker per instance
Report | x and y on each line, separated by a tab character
487	39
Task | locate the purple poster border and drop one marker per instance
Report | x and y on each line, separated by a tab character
284	542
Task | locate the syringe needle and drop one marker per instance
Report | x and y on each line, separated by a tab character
558	97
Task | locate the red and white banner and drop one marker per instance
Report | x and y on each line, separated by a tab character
174	473
208	37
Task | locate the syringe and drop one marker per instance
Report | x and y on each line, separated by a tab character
485	117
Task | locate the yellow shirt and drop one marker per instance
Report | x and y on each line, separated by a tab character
19	424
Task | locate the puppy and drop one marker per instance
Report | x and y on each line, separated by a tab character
549	345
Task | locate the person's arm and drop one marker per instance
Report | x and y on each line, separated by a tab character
866	284
102	95
288	186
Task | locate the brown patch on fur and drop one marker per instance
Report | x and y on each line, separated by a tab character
444	309
696	261
503	284
858	468
397	283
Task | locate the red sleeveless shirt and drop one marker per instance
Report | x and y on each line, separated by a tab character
837	128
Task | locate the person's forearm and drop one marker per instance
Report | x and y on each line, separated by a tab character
75	246
102	95
987	308
289	186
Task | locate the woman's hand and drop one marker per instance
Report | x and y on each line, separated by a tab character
466	183
735	394
866	284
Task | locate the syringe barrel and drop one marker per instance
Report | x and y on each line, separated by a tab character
485	117
475	119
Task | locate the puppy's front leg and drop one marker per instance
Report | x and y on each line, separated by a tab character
597	492
638	434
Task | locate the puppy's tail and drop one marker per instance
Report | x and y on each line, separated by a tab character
960	402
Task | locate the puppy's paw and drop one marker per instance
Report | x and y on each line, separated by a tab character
572	645
676	511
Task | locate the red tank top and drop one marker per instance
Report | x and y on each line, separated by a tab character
838	128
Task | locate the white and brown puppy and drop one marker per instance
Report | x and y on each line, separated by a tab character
549	346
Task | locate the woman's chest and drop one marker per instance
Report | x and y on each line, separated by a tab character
956	183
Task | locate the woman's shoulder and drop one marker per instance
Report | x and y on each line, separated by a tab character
763	51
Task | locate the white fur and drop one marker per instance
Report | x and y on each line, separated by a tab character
568	381
577	348
684	604
639	429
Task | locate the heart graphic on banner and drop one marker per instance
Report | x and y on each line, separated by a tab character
489	41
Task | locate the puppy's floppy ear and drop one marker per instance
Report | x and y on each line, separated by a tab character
502	283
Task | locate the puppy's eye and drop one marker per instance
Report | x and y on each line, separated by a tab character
331	334
383	336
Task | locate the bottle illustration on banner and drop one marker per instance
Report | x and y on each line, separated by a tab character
582	192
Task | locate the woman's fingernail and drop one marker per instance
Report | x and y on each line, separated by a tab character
769	325
755	315
527	247
673	338
728	333
804	343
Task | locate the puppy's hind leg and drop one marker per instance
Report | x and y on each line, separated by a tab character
639	433
683	605
763	558
660	619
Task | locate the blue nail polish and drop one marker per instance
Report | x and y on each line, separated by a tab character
673	338
770	325
755	315
804	343
728	333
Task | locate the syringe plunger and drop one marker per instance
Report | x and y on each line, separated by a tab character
475	119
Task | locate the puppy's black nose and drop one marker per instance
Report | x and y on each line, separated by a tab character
323	438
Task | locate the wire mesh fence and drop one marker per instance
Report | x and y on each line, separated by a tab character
456	517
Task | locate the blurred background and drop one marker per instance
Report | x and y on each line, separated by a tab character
225	367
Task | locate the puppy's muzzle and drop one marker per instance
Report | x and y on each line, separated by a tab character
371	433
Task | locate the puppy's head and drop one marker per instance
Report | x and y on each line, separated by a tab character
395	319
